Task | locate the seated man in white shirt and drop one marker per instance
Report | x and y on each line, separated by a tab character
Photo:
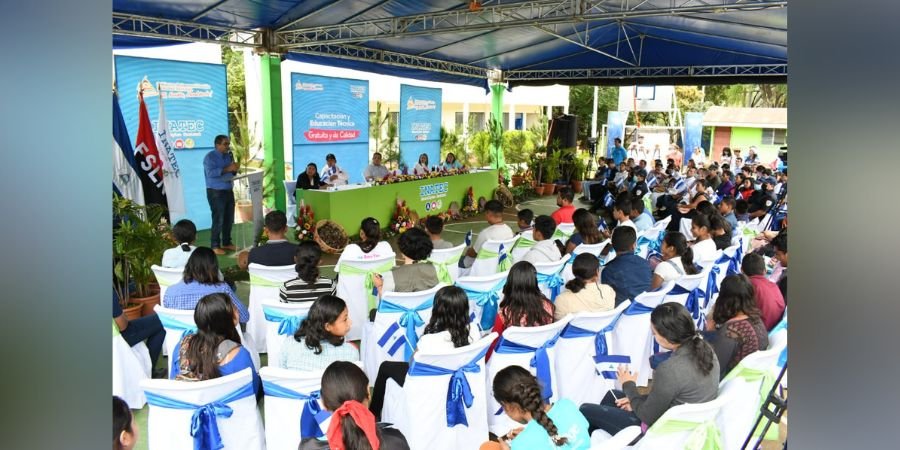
493	213
622	212
546	249
375	171
332	175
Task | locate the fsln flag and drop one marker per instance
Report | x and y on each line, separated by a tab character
172	179
125	176
149	164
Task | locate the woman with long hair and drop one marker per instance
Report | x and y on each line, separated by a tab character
370	245
677	260
689	375
586	231
201	277
421	167
735	328
319	340
309	285
450	162
523	303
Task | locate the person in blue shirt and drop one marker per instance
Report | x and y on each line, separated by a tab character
219	169
628	274
618	153
643	221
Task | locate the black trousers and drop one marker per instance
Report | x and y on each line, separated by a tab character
607	416
394	370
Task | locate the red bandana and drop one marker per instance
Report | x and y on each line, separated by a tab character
364	419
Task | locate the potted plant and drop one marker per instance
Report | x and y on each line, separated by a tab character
517	150
551	172
537	168
242	147
578	175
140	237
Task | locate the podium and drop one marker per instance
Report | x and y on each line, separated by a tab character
252	181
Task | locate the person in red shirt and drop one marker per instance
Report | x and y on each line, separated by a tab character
564	199
768	296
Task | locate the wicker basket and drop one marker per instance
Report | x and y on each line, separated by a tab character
325	247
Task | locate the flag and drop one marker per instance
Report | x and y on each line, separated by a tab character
125	177
149	165
608	200
172	179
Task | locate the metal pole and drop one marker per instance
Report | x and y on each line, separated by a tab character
594	115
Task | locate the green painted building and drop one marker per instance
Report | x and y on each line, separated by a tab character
740	128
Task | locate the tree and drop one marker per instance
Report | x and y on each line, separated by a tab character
581	101
236	86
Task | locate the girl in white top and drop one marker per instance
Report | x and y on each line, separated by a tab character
704	247
370	247
678	260
585	292
422	166
184	232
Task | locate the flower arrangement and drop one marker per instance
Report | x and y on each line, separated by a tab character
402	220
306	223
469	208
400	177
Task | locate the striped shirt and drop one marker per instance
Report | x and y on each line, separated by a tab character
297	290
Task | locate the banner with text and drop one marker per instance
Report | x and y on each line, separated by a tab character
330	115
693	131
196	111
420	124
615	128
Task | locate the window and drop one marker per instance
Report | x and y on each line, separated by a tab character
774	136
459	121
645	92
476	122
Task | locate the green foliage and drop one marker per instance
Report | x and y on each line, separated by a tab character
138	243
383	128
551	166
452	143
581	102
236	92
522	192
480	146
518	147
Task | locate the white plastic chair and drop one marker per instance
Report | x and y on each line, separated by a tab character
523	245
748	384
179	322
166	276
419	408
485	295
355	275
549	278
265	284
282	319
169	427
564	231
291	403
690	291
519	346
594	249
399	321
446	262
578	378
491	259
632	336
685	228
131	365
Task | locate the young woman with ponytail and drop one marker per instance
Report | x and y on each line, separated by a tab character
345	393
678	260
556	426
185	233
689	375
309	285
585	292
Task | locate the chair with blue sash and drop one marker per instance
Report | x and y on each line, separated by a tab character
399	322
355	286
594	249
166	276
649	242
533	348
632	336
446	262
523	245
549	279
265	284
485	294
204	415
690	291
130	366
493	257
588	334
292	406
179	323
685	228
748	384
443	403
282	320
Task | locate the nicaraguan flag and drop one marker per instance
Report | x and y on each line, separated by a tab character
608	200
172	178
651	182
125	176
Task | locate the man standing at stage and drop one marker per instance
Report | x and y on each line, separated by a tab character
219	169
332	175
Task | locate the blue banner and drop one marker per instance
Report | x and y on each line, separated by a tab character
420	124
330	115
615	128
693	131
196	106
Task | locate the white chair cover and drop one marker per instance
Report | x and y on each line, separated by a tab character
448	258
490	265
419	408
485	295
632	336
282	319
167	276
523	245
282	414
400	318
170	428
534	337
578	378
290	187
351	287
690	291
177	322
564	231
748	384
685	228
131	365
549	278
265	284
593	249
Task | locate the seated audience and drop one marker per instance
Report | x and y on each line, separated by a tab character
125	431
526	219
147	328
768	296
586	231
496	231
584	292
201	277
564	199
277	251
781	254
320	339
370	245
726	209
185	233
523	304
546	249
434	226
734	328
704	247
720	231
641	218
308	286
416	273
677	260
622	212
740	210
628	274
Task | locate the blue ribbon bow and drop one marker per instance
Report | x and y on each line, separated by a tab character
600	346
409	319
734	267
692	303
204	424
459	393
488	301
540	361
636	309
553	281
309	426
287	324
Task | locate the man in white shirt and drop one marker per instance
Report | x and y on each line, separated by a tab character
375	171
493	213
545	248
621	212
332	175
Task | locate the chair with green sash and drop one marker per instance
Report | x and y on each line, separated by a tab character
564	231
749	384
355	286
130	366
493	257
446	262
265	284
523	245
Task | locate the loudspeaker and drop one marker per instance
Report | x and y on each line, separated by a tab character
564	128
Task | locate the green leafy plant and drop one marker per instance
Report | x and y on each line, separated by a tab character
480	146
551	167
140	237
495	136
518	147
451	142
383	128
522	192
